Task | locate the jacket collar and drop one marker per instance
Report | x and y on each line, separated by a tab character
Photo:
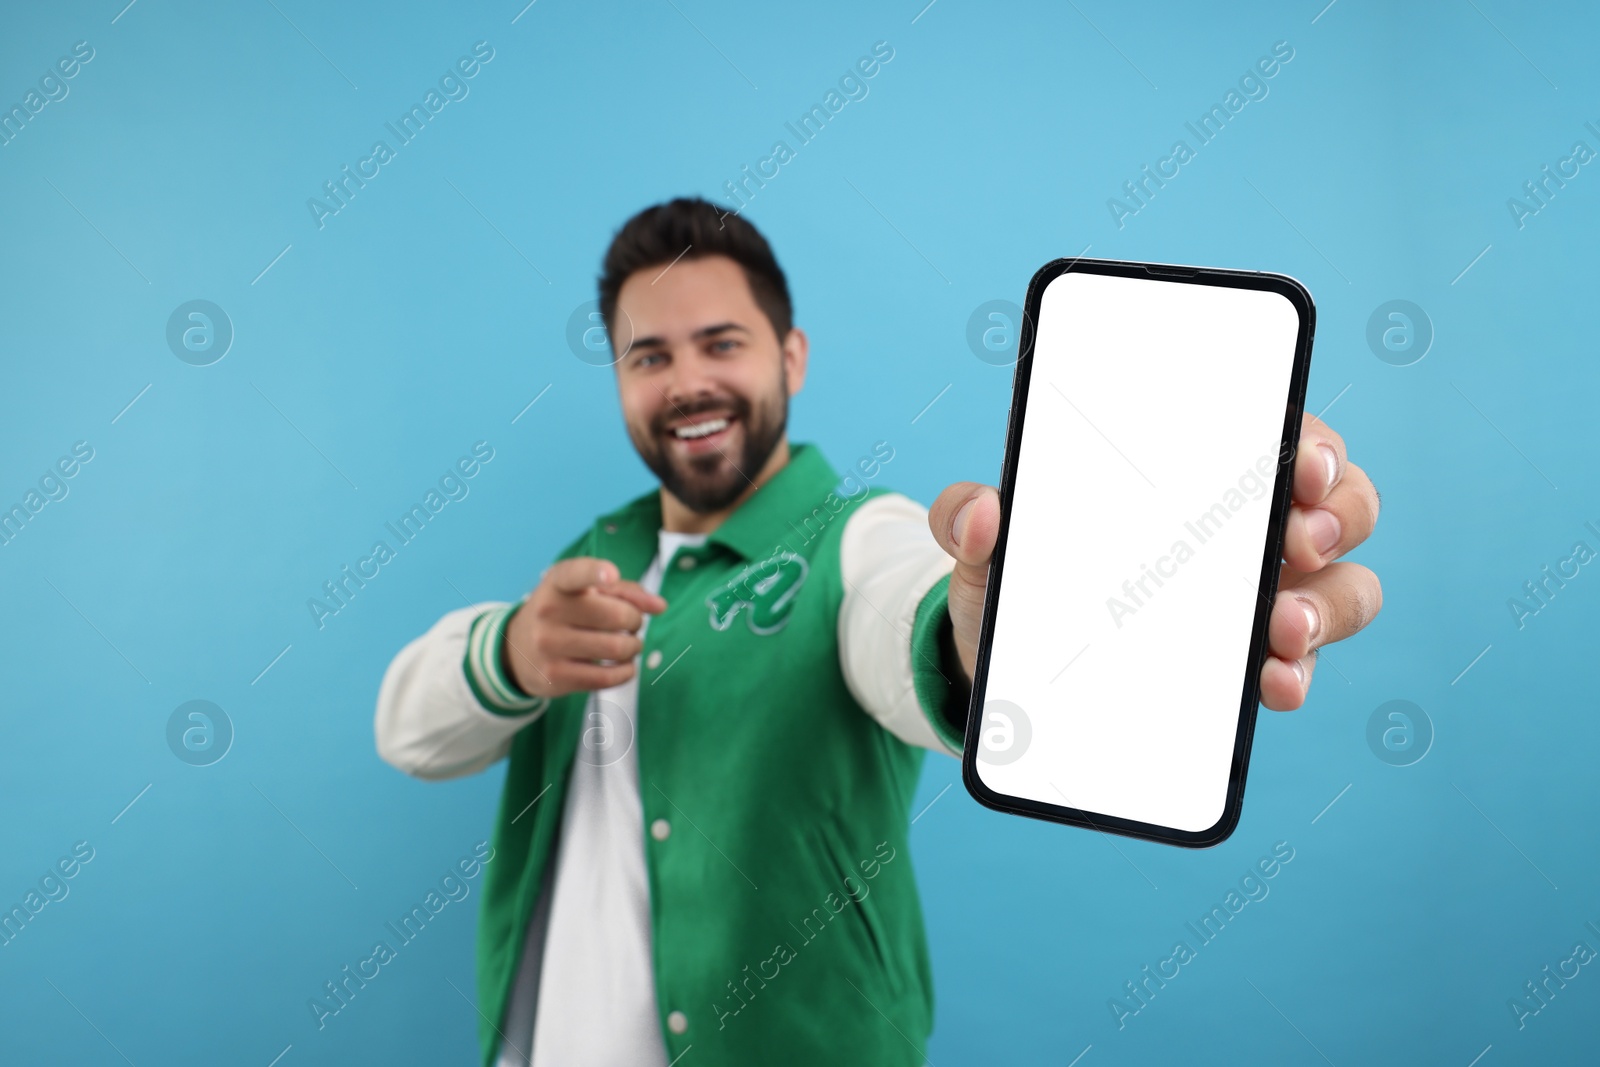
767	519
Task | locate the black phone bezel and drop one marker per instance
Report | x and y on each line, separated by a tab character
1272	552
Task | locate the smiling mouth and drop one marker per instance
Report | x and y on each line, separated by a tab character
702	430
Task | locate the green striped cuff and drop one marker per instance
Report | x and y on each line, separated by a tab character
486	674
943	695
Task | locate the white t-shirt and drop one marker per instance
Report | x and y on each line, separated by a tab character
585	989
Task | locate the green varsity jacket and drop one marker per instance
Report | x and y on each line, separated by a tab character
786	698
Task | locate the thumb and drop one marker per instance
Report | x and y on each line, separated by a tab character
965	520
578	573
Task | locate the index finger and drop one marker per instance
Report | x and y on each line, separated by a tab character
1319	461
635	594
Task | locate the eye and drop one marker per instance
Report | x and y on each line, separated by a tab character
644	360
727	344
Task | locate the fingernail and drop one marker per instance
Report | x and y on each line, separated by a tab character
956	524
1299	672
1323	526
1330	459
1313	621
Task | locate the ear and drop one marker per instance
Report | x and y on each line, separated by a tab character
796	350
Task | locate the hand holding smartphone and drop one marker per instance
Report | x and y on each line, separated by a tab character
1146	485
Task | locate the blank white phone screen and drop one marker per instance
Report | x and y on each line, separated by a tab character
1138	522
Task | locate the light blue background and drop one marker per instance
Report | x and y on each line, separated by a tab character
377	349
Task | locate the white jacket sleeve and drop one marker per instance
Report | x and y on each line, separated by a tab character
446	707
895	582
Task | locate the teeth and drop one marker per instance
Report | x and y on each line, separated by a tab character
700	429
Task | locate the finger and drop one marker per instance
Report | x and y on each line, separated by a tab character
1284	683
965	520
596	611
634	594
1321	608
578	643
1319	461
573	676
579	573
1317	535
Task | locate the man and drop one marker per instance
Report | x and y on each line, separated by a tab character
716	701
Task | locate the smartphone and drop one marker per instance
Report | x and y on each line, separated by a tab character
1148	471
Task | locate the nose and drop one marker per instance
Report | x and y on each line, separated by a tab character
690	379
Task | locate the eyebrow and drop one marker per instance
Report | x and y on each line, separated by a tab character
699	335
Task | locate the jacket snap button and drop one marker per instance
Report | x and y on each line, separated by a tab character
653	660
678	1022
611	527
661	829
686	563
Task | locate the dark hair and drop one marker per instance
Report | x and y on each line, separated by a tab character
658	236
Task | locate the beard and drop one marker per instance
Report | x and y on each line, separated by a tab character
712	482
